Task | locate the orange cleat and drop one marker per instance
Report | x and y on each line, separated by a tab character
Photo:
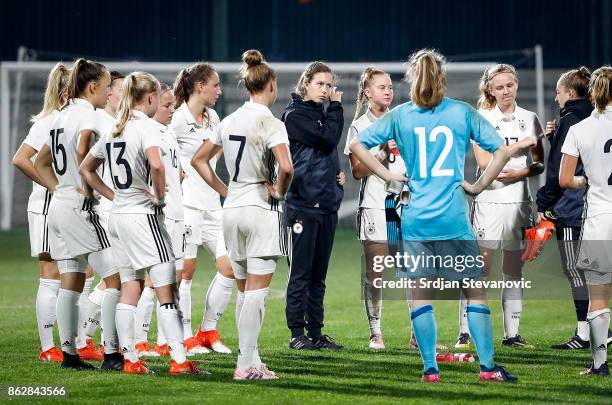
191	343
162	350
535	238
89	352
135	368
52	355
144	349
212	340
184	368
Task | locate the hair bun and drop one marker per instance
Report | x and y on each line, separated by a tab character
252	58
583	70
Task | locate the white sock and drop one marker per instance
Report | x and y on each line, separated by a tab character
161	339
599	323
84	312
512	305
249	327
68	318
144	312
217	298
46	311
109	307
185	304
373	306
125	329
463	323
582	330
88	329
239	302
170	320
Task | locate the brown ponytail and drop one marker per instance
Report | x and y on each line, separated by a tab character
82	73
255	71
577	80
188	77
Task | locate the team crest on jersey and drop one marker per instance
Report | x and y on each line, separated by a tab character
298	227
370	229
188	231
522	125
480	233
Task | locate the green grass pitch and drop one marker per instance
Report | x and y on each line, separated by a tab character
353	375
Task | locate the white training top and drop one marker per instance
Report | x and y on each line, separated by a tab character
40	198
190	135
591	141
129	168
65	132
372	192
247	137
105	204
174	194
512	129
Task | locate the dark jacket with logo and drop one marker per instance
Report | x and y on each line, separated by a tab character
566	204
314	134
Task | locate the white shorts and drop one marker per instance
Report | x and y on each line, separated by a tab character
502	225
141	241
371	224
39	234
595	256
204	228
75	231
253	232
176	230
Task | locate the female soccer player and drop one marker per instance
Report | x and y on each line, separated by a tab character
502	212
376	94
590	142
197	89
565	207
77	237
90	308
136	225
173	217
311	209
38	206
433	134
254	143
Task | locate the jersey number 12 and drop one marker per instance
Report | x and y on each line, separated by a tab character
436	170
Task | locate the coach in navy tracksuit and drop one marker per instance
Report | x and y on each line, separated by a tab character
311	209
565	206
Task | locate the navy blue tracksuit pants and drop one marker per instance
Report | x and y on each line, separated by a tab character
311	238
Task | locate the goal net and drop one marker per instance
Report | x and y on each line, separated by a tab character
22	86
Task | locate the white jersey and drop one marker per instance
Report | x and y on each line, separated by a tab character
372	191
512	129
174	194
129	168
591	141
40	198
190	135
247	137
103	170
65	134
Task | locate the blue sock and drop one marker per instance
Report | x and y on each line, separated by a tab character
424	326
481	329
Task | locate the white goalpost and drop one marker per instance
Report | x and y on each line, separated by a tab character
18	79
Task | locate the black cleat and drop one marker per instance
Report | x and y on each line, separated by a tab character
575	343
517	341
326	342
74	362
113	361
601	371
302	343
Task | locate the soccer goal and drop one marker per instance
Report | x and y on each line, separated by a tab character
22	86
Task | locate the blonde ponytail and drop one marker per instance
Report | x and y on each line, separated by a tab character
57	82
427	78
365	80
135	87
600	89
